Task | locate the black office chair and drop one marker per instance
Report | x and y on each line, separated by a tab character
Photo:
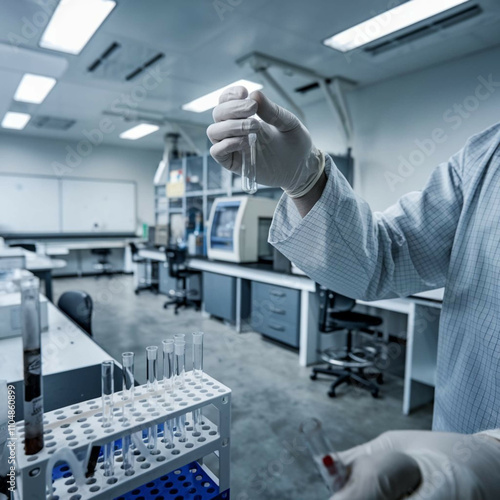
150	284
31	247
103	266
176	259
78	307
347	365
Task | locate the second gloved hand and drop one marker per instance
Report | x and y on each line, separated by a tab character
286	157
420	465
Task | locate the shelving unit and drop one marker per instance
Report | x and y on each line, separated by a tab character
213	181
77	429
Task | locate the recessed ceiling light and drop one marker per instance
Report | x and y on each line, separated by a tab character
34	88
16	121
393	20
73	24
211	100
139	131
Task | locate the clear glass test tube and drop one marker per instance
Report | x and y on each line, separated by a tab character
128	406
168	385
249	166
197	373
152	386
180	382
331	468
33	388
108	389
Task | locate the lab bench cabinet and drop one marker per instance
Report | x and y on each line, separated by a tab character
220	296
275	312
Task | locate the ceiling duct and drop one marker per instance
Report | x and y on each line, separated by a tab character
426	30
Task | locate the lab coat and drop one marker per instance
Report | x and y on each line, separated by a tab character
446	235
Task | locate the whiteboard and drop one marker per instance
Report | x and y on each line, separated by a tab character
29	204
98	206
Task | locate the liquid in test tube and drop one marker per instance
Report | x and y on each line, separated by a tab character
152	386
33	393
249	166
108	389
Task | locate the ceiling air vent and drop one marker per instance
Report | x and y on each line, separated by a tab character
124	60
52	123
424	30
103	56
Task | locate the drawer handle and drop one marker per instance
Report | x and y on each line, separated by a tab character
278	311
277	294
277	328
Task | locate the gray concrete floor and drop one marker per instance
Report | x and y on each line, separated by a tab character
272	394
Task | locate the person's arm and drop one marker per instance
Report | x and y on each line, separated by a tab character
334	237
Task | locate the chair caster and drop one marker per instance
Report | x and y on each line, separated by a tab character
165	306
375	393
176	312
380	379
332	394
313	376
136	292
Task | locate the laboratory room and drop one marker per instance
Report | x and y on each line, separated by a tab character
249	249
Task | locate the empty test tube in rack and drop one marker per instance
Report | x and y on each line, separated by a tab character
128	406
152	386
108	389
198	373
180	382
168	386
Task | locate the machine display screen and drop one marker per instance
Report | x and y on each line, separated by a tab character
222	234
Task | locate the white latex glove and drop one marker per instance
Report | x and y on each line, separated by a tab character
431	465
286	157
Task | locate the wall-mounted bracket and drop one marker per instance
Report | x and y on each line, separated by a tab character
333	88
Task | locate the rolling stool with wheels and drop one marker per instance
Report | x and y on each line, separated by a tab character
347	365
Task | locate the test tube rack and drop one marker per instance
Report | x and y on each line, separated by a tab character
78	428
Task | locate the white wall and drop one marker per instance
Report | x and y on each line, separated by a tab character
392	118
21	154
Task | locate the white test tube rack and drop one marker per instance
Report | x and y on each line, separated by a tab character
78	428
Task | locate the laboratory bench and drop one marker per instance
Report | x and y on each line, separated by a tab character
42	266
285	307
76	251
71	364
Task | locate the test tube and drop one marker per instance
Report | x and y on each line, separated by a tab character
168	385
197	373
108	388
33	391
128	382
180	381
128	405
249	166
331	468
152	386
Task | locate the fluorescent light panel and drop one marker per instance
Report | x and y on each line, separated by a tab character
34	88
139	131
211	100
16	121
73	24
393	20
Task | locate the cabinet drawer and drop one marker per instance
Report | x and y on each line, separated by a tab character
276	312
287	333
276	302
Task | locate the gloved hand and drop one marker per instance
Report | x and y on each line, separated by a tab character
286	157
427	465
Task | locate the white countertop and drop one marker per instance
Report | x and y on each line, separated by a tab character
64	347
